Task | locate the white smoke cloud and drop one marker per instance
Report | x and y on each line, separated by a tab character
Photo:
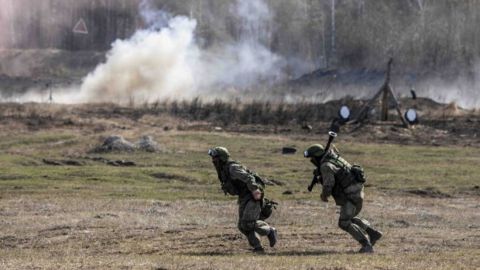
463	90
152	65
164	60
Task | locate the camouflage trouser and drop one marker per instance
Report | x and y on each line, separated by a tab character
349	221
249	223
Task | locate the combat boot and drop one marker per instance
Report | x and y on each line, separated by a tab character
272	237
366	247
374	235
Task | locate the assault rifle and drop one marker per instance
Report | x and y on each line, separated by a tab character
315	181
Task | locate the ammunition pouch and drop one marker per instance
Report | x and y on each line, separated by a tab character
358	173
267	208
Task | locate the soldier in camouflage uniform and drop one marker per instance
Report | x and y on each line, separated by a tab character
337	179
238	180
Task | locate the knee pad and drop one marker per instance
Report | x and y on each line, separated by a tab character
360	222
344	224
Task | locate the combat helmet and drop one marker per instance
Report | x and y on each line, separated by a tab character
315	150
220	152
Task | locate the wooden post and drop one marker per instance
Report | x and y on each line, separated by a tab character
397	106
386	85
387	91
385	104
363	113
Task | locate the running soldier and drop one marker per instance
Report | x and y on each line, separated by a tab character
344	183
237	180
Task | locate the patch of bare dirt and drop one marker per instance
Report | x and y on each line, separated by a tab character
209	228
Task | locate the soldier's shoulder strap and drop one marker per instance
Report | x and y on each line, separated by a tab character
338	161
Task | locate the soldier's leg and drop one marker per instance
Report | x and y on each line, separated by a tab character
373	234
362	223
251	214
247	225
262	228
252	241
252	211
250	222
347	213
244	228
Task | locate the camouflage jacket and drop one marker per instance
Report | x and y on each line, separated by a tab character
337	180
242	179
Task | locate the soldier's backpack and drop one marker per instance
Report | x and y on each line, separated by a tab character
229	187
355	170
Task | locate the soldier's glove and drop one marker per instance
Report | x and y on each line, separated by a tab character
324	197
257	195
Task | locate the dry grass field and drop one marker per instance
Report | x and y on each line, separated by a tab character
167	211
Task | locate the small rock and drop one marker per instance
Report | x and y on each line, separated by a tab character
287	192
307	127
147	143
288	150
115	143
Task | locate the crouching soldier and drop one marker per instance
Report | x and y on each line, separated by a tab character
238	180
345	183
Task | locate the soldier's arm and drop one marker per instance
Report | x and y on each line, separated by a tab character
237	172
328	176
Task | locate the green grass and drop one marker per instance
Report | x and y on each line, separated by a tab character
123	217
188	173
